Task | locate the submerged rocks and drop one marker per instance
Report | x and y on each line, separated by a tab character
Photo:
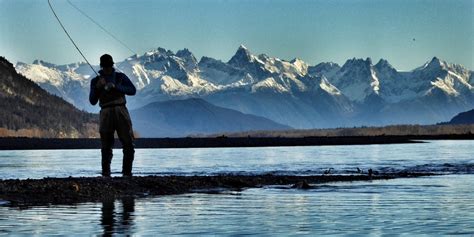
302	185
88	189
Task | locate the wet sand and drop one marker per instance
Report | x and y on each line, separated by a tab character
33	192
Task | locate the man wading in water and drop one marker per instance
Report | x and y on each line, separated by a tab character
109	89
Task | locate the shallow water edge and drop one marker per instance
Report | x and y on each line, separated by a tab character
31	192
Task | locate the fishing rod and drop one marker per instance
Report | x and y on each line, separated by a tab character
110	34
105	30
70	38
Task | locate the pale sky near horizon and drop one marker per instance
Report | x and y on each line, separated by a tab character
313	30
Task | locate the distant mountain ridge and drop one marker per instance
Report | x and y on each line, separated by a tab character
463	118
30	111
288	92
179	118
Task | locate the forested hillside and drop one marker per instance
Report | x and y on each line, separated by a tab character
28	110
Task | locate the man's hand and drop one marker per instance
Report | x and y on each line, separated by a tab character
100	83
109	86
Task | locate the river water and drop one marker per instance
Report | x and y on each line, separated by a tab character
437	205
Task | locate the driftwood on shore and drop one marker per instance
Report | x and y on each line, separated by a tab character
31	192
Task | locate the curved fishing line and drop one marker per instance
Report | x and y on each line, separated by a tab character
107	32
101	27
70	38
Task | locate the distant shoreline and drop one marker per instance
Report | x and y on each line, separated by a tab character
8	143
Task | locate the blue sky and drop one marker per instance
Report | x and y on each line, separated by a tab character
315	31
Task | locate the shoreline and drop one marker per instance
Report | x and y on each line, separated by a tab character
73	190
10	143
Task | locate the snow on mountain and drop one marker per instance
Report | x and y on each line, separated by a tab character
289	92
43	72
433	75
357	79
327	69
220	73
279	74
269	85
394	86
328	87
451	79
66	81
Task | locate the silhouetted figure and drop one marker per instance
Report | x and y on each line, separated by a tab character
109	89
370	173
109	222
359	170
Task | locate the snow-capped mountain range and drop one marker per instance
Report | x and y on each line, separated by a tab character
289	92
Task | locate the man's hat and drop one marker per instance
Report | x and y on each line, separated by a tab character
106	61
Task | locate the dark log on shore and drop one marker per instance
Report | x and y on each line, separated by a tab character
32	192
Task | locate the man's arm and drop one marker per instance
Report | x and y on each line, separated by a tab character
126	86
94	93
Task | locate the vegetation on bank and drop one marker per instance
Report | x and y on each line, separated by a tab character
392	130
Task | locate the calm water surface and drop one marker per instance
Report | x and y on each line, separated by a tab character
439	205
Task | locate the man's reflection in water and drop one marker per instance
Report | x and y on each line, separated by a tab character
108	219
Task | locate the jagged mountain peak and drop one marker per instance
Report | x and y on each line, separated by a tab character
43	63
297	61
242	55
436	60
243	50
164	51
358	62
326	66
386	70
264	57
205	60
383	63
159	51
327	69
330	64
368	60
188	58
439	64
184	53
434	64
357	79
243	47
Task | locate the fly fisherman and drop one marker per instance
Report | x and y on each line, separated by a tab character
109	89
